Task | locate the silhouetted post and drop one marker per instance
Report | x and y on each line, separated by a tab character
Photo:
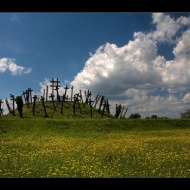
107	106
63	100
125	113
66	89
52	85
80	96
121	111
43	104
30	94
71	93
57	88
9	108
13	99
95	100
104	106
24	93
34	104
101	102
1	109
44	93
52	98
47	93
76	99
90	103
118	110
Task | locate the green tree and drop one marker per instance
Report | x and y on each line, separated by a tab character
185	114
135	116
154	117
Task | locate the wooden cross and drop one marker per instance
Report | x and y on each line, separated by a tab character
66	89
52	85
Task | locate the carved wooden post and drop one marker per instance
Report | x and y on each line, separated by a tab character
52	85
44	93
107	106
81	99
47	93
9	108
13	99
30	94
95	100
1	109
34	104
90	103
43	104
118	110
101	101
125	113
24	93
66	89
57	88
71	93
76	99
52	98
120	116
104	106
63	100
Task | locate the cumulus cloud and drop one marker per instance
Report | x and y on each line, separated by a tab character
130	74
10	65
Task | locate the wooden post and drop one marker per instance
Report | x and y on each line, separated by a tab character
52	81
9	108
13	99
66	89
47	93
90	103
63	100
71	93
101	101
34	104
104	104
121	112
1	109
43	104
125	113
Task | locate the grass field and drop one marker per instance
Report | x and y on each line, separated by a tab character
68	145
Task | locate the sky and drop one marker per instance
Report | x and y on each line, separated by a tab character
140	60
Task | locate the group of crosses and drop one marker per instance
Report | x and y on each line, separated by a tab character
77	99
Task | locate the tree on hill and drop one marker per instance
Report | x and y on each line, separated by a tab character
154	117
185	114
135	116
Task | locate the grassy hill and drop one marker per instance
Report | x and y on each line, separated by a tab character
78	145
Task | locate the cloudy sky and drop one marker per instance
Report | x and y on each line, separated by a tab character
138	60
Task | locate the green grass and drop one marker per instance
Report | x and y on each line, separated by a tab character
69	145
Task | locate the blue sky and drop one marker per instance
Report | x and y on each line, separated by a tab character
141	60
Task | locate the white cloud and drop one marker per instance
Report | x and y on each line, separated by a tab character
9	64
129	74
